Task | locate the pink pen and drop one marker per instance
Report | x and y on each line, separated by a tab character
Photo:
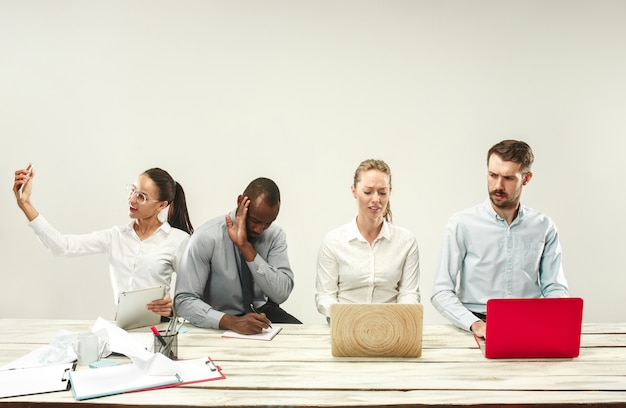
158	335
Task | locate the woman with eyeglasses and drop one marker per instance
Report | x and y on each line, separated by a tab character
142	254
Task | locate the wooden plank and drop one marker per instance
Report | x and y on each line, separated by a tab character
196	397
41	331
323	354
295	342
490	375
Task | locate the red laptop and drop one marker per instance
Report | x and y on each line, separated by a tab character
533	328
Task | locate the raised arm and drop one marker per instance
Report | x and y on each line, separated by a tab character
22	188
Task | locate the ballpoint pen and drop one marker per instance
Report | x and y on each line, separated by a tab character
257	312
171	325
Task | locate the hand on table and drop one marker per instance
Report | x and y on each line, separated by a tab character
479	328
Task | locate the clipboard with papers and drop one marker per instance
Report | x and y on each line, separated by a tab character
100	382
35	380
148	370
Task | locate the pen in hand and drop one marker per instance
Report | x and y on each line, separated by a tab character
257	312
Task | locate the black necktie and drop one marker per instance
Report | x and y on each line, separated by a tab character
246	284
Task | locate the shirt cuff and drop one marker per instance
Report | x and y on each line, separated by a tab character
39	223
213	318
468	319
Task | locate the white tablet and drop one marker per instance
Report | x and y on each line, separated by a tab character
132	311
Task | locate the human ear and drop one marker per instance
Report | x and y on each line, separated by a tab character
527	178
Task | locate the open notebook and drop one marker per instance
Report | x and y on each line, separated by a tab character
376	330
533	328
267	334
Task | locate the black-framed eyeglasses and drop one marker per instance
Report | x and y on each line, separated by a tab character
142	198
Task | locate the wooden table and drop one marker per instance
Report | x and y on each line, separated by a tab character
297	369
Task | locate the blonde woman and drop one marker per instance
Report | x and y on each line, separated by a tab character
369	259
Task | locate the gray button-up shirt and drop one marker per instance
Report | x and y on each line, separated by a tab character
208	284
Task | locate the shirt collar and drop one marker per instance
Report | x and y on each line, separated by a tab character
354	233
492	213
165	226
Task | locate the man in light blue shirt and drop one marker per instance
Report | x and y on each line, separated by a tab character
499	248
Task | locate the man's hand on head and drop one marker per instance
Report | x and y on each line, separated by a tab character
237	231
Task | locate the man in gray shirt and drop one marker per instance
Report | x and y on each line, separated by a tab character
236	271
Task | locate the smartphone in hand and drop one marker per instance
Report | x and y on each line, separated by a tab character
30	171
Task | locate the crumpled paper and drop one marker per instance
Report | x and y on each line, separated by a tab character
120	341
111	339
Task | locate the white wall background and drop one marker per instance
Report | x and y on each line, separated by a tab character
220	92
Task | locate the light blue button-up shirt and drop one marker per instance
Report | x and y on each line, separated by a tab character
482	257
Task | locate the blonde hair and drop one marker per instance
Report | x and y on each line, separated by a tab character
380	165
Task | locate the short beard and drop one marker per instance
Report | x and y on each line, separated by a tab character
505	204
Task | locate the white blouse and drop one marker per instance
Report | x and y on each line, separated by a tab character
133	263
350	270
